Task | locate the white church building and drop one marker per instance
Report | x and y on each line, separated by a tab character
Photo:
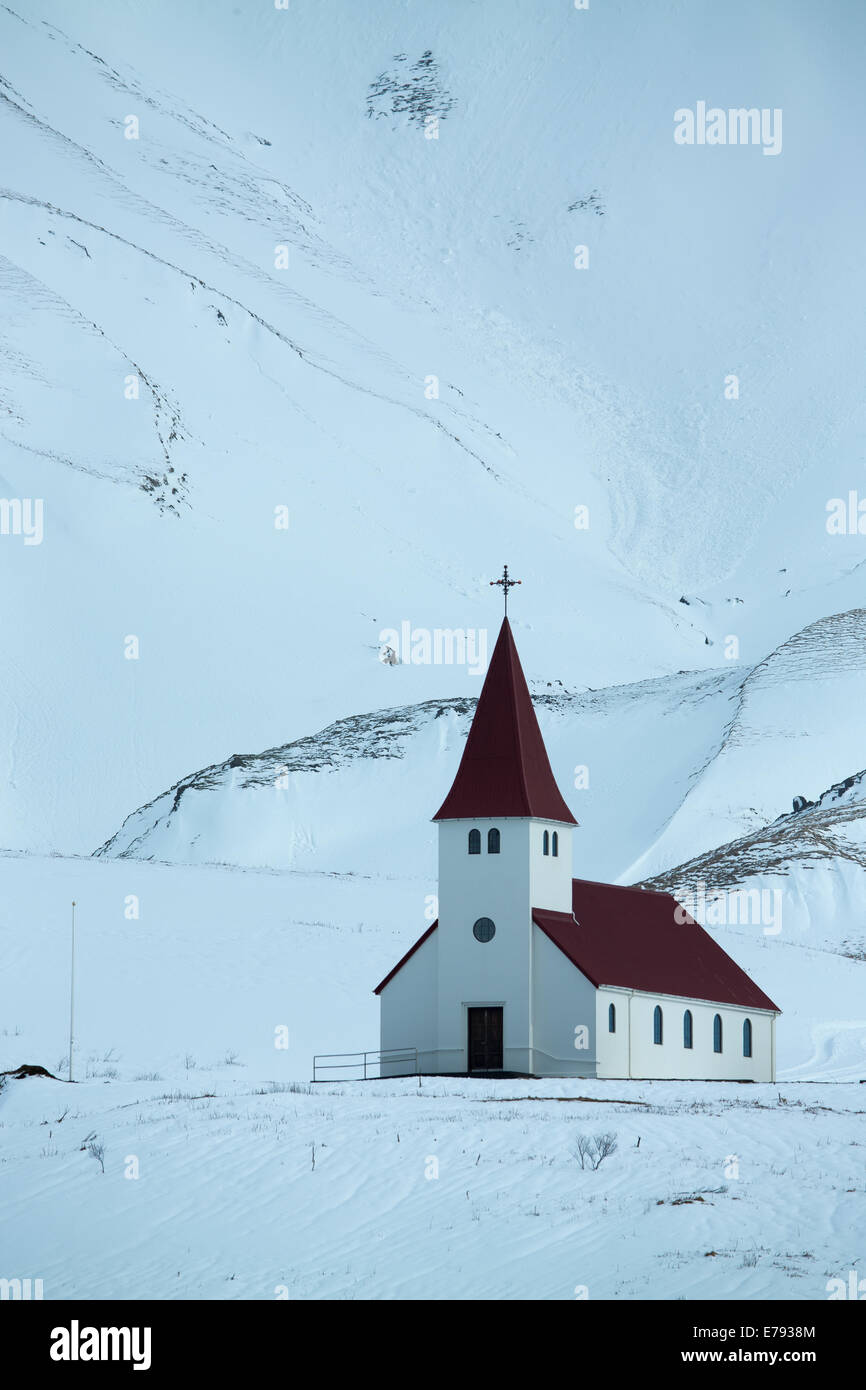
529	971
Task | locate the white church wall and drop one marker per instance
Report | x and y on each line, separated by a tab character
612	1048
564	1016
407	1005
632	1051
496	972
550	876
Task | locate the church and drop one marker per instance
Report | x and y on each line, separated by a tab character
530	972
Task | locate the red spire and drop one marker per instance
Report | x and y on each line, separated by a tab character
504	770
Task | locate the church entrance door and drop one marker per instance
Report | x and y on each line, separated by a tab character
485	1039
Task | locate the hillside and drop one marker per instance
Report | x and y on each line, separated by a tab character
794	731
245	307
359	796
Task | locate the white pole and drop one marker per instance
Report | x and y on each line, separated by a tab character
72	992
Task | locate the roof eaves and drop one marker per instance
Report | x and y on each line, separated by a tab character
411	951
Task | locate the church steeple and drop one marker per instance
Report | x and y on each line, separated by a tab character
505	770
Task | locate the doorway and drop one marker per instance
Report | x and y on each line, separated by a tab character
485	1039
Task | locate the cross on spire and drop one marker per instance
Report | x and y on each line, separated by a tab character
505	584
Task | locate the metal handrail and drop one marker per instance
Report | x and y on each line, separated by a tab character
391	1054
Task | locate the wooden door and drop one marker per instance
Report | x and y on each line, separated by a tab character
485	1039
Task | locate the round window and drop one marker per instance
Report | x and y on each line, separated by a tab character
484	929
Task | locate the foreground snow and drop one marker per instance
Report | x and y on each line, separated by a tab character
451	1189
177	1069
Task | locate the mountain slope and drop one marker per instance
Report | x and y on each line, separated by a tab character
796	727
360	795
322	310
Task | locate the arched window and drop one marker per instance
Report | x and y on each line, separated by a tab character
493	841
717	1033
475	842
687	1028
611	1018
545	843
555	844
747	1037
657	1024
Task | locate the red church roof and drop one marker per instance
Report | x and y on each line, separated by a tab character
630	937
504	770
403	959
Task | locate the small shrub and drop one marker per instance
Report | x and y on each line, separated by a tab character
593	1149
96	1149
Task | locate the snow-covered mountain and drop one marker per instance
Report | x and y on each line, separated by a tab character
796	728
826	834
282	294
359	796
679	766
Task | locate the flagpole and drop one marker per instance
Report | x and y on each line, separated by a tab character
72	992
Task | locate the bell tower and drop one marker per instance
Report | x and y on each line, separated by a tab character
505	848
